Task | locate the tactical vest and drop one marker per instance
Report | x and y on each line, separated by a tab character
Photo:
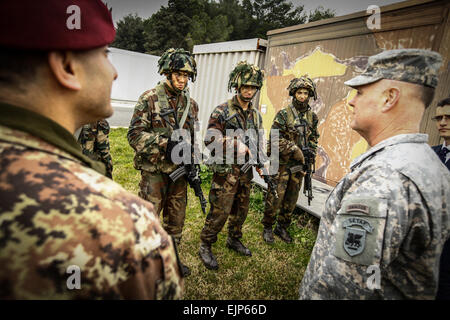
163	165
294	120
255	124
163	103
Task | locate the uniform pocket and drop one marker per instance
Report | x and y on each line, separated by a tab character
360	225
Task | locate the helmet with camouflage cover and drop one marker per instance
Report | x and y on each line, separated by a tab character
302	82
177	60
245	74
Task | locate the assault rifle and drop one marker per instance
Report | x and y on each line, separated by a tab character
310	165
250	143
190	170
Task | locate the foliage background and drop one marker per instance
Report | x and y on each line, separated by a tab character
185	23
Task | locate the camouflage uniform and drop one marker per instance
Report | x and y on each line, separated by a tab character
149	135
388	218
290	139
94	142
56	212
230	188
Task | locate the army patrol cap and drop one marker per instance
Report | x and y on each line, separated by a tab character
55	24
407	65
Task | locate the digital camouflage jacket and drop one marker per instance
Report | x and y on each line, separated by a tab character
383	226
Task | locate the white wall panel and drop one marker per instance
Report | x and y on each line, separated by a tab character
214	63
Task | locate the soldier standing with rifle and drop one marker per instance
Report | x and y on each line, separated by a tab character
297	125
157	113
230	188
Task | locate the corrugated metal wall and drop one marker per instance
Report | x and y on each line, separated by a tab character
214	64
335	50
138	72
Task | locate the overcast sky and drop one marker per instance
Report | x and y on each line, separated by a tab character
145	8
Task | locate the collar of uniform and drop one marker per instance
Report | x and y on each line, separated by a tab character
445	146
398	139
46	129
170	91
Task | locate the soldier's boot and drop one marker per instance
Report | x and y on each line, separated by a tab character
268	235
236	245
282	233
207	256
185	269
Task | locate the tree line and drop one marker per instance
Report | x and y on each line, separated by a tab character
185	23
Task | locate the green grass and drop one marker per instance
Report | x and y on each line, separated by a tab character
273	272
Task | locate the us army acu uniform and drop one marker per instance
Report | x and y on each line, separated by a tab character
292	123
67	231
385	223
230	187
149	135
94	142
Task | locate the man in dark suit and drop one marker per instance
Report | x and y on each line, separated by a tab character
442	119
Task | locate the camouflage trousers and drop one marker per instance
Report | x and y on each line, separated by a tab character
167	196
288	188
229	197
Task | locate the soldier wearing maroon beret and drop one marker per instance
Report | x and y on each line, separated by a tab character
67	231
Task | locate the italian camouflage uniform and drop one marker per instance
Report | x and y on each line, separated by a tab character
58	215
289	184
148	135
94	142
230	188
389	213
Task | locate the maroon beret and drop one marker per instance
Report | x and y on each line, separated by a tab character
55	24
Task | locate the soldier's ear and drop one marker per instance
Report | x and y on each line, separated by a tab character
65	69
391	96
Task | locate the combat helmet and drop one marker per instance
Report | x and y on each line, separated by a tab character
245	74
178	60
302	82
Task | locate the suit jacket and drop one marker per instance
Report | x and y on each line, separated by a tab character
441	155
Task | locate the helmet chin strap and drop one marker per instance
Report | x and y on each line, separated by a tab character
243	98
169	77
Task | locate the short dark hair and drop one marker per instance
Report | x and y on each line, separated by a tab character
426	95
17	66
444	102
